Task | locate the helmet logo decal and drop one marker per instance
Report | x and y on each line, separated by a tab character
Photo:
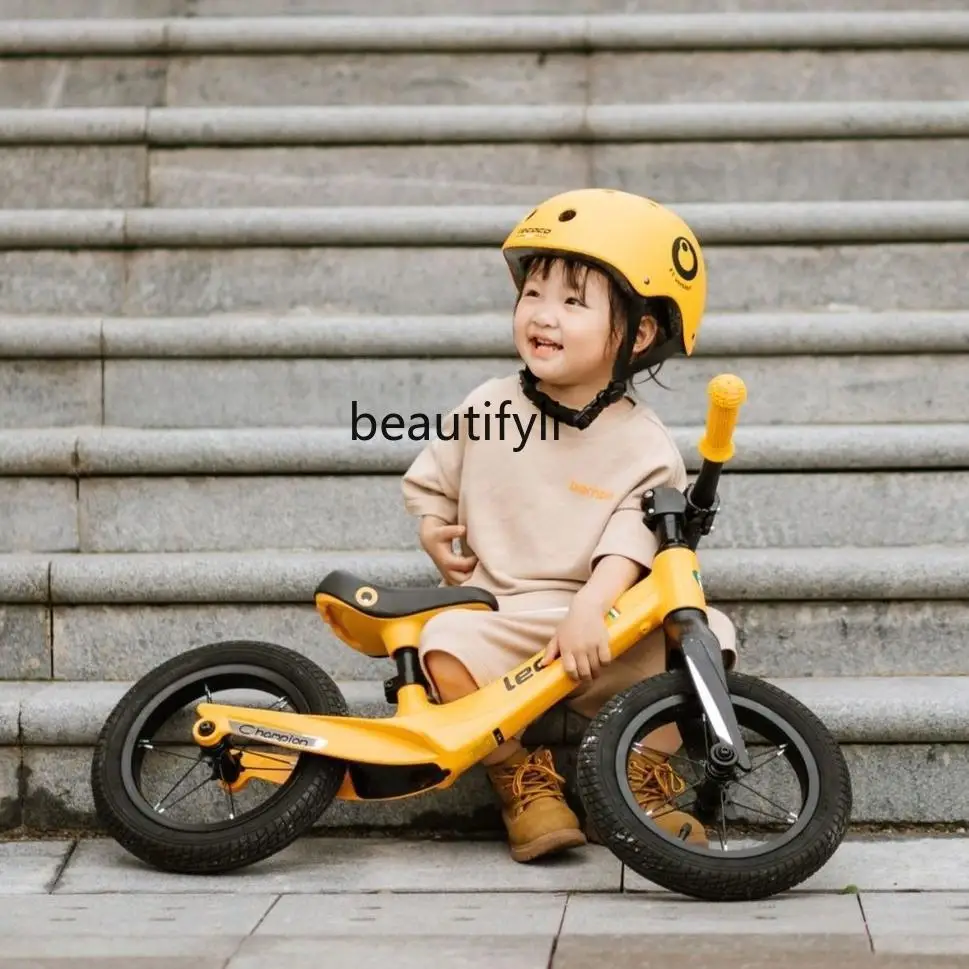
684	258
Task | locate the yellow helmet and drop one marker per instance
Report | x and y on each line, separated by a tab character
647	248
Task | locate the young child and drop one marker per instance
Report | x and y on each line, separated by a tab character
540	475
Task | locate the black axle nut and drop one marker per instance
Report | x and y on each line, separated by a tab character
723	755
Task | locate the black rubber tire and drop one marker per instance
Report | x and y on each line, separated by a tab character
709	877
311	787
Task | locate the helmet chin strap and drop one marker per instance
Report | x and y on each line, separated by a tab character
568	415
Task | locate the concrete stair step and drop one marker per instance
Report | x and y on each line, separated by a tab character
535	76
857	709
229	513
109	452
129	176
914	147
372	336
463	174
717	224
799	612
145	9
385	278
824	636
890	728
925	573
548	120
805	611
328	392
843	29
377	259
211	8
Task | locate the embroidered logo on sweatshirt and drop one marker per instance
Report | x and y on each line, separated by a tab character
589	491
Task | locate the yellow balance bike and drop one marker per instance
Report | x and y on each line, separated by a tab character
757	768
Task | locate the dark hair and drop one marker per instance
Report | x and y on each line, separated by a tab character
621	302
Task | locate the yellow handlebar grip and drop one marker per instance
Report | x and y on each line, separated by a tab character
727	392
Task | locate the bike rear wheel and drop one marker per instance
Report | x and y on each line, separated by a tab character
152	723
780	733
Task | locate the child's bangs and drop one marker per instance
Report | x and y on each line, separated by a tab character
576	271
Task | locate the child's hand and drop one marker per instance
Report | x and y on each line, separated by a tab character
582	641
436	537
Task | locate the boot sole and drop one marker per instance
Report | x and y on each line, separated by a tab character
548	844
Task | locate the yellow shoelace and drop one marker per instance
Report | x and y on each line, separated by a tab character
652	782
533	779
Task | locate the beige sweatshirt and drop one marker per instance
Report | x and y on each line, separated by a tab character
539	512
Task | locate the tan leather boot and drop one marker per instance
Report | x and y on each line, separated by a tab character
536	815
655	785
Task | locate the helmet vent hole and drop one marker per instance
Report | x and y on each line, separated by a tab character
567	216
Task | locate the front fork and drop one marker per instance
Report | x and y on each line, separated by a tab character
690	643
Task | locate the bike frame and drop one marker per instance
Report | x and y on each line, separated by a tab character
425	745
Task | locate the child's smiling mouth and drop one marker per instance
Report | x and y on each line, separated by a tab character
544	348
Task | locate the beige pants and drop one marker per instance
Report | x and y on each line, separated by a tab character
489	644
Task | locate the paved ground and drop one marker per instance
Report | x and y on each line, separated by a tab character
371	903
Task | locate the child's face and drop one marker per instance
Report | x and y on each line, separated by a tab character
564	334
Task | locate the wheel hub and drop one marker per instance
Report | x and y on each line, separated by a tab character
227	767
720	769
723	758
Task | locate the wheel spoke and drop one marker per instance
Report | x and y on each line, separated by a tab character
749	807
769	758
148	745
722	833
177	785
278	760
763	797
201	784
278	769
228	792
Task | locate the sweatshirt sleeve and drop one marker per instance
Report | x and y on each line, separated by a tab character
432	483
625	533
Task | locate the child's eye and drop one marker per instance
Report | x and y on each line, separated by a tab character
576	300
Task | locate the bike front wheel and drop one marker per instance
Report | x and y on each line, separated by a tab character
734	835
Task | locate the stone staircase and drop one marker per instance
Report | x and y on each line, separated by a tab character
221	238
